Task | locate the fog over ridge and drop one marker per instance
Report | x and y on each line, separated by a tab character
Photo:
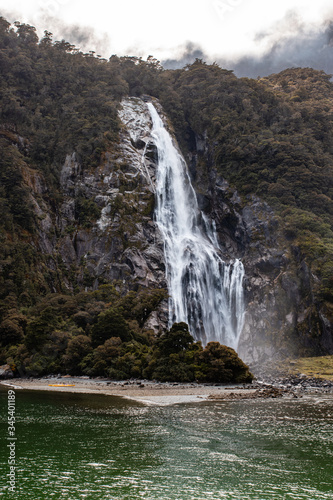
289	42
298	46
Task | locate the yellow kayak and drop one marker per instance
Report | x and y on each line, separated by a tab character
62	385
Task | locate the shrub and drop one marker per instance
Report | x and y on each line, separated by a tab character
219	363
78	348
111	323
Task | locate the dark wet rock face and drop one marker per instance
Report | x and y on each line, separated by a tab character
282	316
104	231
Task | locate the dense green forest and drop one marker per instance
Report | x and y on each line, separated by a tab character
271	137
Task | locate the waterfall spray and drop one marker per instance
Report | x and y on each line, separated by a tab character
204	291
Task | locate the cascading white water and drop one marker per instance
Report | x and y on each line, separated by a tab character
204	291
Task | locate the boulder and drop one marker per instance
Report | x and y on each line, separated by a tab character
6	372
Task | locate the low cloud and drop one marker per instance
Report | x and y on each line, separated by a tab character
83	37
289	44
304	47
186	55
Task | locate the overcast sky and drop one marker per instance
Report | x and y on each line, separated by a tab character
245	35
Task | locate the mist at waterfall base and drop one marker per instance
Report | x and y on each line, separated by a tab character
204	291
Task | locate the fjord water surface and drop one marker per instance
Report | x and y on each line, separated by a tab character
205	292
76	446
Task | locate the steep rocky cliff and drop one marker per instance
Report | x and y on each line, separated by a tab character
282	316
119	242
104	230
77	173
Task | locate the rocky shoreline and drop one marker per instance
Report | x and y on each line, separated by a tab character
152	392
295	385
277	387
274	383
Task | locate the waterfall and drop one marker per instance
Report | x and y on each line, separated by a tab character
204	291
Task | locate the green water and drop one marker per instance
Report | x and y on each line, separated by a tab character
98	447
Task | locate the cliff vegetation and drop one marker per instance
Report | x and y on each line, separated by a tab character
270	138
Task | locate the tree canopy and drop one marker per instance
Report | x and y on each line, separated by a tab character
271	137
